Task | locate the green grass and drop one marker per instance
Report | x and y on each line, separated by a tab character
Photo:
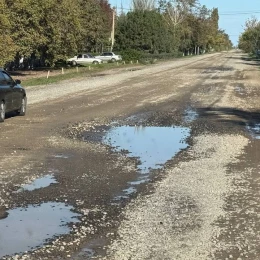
70	73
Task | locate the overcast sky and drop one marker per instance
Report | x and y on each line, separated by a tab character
233	13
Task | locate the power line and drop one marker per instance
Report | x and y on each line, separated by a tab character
231	13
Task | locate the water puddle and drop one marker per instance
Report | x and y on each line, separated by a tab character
240	89
153	146
39	183
28	228
88	253
61	156
190	115
254	130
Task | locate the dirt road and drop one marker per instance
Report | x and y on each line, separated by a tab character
155	162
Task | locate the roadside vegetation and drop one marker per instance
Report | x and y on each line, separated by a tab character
46	35
54	75
249	41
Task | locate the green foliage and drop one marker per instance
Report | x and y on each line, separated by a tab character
249	40
7	45
54	30
131	55
143	31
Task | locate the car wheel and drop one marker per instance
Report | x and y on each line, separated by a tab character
2	112
22	110
74	63
95	62
113	60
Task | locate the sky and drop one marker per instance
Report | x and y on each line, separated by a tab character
233	13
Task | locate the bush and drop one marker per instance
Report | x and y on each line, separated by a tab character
131	55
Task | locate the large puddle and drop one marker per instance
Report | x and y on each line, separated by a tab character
154	146
28	228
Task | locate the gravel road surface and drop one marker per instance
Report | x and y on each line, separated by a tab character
69	193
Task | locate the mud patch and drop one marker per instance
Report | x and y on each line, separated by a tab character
28	228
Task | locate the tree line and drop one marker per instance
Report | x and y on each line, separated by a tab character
49	31
170	26
53	30
249	40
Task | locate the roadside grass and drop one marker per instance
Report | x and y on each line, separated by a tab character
57	75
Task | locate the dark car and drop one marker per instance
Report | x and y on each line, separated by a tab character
12	96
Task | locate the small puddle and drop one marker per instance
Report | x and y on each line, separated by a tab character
153	146
190	115
254	130
39	183
61	156
28	228
240	90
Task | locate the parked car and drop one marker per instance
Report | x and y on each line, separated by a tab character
109	56
84	59
12	96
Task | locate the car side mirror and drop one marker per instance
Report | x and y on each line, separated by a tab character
17	81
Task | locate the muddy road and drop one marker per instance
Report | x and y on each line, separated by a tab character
155	162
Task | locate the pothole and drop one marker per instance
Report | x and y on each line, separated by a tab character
26	229
152	146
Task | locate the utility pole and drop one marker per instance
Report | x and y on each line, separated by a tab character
113	29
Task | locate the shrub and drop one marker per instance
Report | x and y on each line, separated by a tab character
131	55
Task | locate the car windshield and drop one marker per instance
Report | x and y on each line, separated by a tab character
90	56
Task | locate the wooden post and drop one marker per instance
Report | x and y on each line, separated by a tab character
77	69
62	71
137	62
48	74
89	68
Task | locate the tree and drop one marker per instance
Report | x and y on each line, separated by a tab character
142	30
7	45
141	5
249	41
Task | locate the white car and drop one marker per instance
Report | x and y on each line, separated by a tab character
82	59
109	56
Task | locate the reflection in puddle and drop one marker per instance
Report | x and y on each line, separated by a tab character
190	115
254	129
27	228
39	183
153	145
129	190
138	182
